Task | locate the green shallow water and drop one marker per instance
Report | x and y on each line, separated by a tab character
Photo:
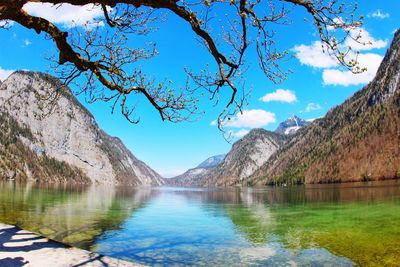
314	225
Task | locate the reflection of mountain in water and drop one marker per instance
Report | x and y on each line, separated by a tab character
72	215
305	225
303	217
312	193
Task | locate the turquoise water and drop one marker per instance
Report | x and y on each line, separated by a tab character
316	225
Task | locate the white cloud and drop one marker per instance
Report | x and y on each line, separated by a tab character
214	123
378	14
4	73
338	77
365	42
253	118
314	56
238	134
65	14
312	107
280	95
339	21
6	23
27	42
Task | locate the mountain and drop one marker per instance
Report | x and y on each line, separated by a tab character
291	125
358	140
212	161
49	136
191	176
246	156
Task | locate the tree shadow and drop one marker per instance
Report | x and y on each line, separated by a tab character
14	239
12	236
96	258
14	262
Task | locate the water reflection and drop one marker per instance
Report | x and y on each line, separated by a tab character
310	225
318	193
75	215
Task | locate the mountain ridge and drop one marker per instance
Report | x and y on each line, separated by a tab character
245	156
355	141
66	131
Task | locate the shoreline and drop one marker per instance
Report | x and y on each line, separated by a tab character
19	247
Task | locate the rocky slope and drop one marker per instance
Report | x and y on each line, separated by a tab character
291	125
212	161
189	178
245	157
48	122
192	176
356	141
19	162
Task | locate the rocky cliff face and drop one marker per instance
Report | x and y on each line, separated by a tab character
356	141
62	129
246	156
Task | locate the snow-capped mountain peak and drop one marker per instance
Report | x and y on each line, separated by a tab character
291	125
212	161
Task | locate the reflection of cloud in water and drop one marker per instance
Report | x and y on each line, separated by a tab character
252	219
275	254
256	253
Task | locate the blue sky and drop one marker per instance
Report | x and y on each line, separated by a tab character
316	84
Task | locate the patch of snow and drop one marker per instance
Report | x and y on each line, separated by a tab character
291	130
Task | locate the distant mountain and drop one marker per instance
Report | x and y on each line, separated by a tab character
47	135
291	125
212	161
246	156
188	178
358	140
191	176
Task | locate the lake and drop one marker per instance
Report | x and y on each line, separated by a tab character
312	225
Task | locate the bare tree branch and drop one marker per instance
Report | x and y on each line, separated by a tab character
103	56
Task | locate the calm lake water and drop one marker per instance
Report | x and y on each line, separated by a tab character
314	225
